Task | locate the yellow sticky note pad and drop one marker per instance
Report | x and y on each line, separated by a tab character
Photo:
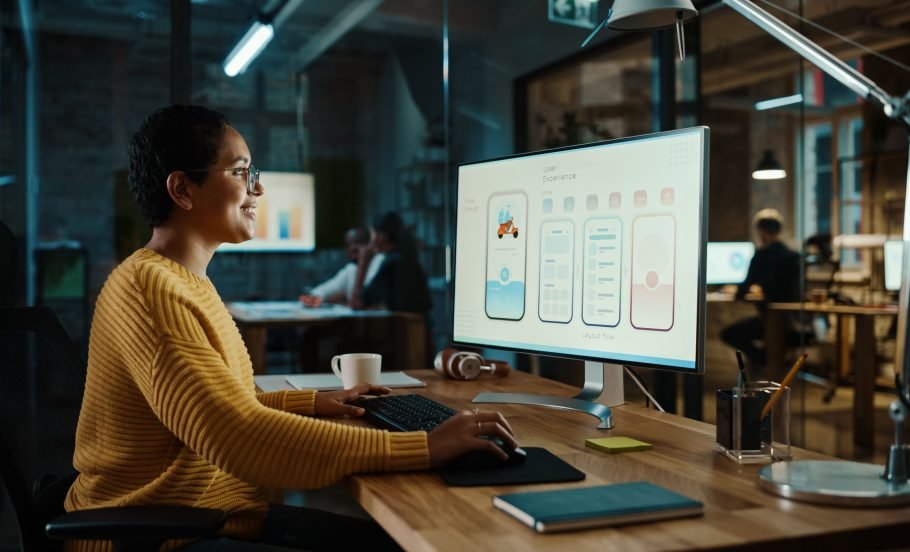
617	444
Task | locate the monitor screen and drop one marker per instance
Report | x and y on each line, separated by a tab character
894	256
728	262
285	215
593	252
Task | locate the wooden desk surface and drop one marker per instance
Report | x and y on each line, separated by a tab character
422	513
825	308
293	313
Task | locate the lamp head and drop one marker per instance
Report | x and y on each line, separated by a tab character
644	15
769	168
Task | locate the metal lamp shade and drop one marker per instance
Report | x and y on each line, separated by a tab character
769	168
643	15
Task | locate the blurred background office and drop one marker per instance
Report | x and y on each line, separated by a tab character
368	106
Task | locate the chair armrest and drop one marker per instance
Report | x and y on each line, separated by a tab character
137	523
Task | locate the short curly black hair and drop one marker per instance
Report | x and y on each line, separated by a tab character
178	137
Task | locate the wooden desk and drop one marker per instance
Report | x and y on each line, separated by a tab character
862	361
422	513
255	318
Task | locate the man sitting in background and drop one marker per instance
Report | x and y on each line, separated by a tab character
340	287
774	276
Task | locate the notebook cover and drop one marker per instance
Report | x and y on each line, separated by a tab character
331	382
617	444
540	466
604	505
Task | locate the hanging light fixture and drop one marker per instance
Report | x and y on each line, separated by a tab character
769	168
636	15
639	15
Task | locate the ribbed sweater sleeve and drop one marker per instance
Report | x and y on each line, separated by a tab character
206	405
293	401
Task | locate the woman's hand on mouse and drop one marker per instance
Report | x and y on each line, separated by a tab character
462	433
334	403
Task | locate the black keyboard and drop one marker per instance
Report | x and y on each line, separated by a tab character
404	412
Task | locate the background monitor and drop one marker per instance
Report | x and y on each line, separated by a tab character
728	262
593	252
285	216
894	256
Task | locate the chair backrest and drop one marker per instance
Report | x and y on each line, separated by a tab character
42	378
9	262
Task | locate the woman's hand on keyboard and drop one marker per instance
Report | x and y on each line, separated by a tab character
462	433
334	403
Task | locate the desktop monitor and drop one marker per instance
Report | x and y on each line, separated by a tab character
285	215
728	262
593	252
894	256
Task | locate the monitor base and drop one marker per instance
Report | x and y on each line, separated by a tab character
596	374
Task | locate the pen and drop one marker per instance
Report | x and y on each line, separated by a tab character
742	367
787	379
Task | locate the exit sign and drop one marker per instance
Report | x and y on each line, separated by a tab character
580	13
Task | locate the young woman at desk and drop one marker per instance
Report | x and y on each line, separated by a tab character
170	413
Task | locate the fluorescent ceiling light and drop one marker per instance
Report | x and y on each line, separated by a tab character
778	102
252	43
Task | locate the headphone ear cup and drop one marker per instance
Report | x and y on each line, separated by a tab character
439	359
469	366
500	369
450	366
440	363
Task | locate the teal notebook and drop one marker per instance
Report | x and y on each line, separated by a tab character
566	509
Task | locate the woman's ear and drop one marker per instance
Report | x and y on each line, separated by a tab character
179	190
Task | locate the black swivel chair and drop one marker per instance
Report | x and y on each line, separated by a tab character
41	385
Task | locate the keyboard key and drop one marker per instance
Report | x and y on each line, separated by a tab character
410	412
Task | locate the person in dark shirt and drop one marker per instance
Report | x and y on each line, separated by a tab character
400	284
773	276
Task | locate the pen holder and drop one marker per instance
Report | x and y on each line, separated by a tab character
743	434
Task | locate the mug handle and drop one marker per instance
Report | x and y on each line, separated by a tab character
335	365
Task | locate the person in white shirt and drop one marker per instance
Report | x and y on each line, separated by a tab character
339	288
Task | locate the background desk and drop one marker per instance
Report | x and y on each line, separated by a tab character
422	513
255	318
862	361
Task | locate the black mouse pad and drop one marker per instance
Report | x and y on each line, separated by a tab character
541	466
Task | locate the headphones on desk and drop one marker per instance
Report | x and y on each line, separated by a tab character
465	365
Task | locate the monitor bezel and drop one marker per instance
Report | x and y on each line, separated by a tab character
704	133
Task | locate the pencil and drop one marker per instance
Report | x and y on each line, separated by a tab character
787	379
742	367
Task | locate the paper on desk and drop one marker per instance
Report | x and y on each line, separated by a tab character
330	382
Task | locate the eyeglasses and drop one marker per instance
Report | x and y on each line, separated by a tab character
251	173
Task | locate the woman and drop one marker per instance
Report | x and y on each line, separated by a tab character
170	414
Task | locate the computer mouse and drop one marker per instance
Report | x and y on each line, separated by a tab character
482	459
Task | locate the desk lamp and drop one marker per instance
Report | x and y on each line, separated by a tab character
845	483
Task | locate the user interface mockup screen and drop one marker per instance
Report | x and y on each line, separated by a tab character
591	252
728	262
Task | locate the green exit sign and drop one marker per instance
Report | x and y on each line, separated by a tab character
580	13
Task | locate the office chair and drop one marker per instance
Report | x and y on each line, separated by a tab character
8	266
41	384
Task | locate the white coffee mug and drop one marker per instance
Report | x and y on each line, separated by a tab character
357	368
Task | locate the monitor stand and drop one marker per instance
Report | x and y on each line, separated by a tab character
602	381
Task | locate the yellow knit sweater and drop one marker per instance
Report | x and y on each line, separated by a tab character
170	413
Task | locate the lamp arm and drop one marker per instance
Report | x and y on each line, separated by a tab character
897	108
